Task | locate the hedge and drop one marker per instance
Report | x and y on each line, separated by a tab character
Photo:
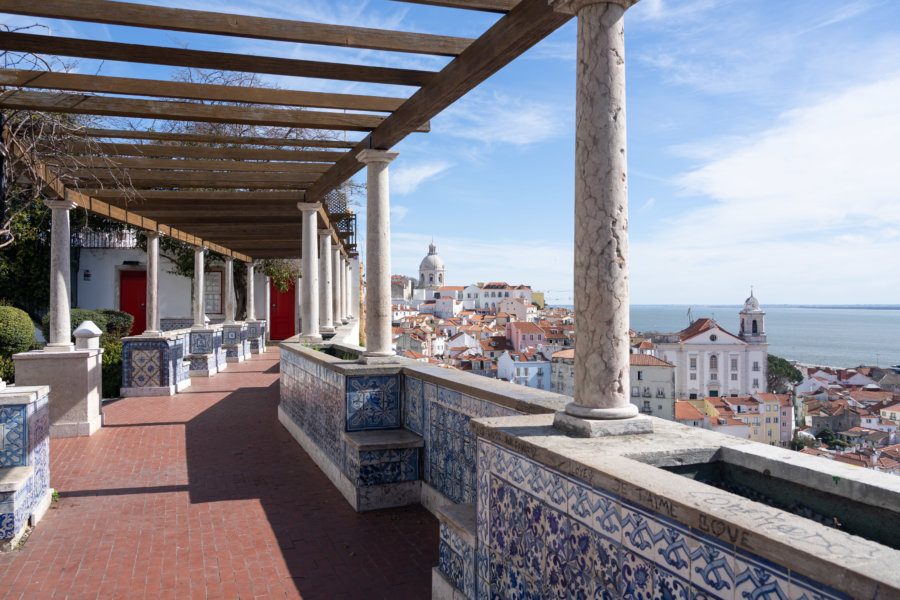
16	331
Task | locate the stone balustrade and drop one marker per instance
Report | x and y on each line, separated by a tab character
527	511
155	365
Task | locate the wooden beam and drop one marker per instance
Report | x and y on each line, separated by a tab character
76	82
75	162
195	21
247	196
202	59
192	179
526	24
206	152
214	218
195	138
82	104
497	6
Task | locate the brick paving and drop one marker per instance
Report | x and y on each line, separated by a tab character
205	495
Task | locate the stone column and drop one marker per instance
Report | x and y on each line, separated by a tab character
199	289
326	314
378	249
309	283
345	290
60	277
251	289
229	290
152	328
336	284
601	224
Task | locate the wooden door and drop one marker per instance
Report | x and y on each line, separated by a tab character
281	313
133	298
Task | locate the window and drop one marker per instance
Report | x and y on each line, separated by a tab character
507	295
660	392
213	292
734	376
647	406
635	391
769	420
693	362
756	365
714	393
713	337
755	330
693	377
518	371
775	419
646	392
713	377
756	383
640	375
692	396
734	364
713	362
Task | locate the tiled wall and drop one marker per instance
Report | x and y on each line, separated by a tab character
542	534
441	416
26	441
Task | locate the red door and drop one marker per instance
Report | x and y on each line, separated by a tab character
133	298
281	313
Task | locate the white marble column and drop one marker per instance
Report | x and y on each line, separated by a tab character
378	250
60	277
601	214
336	280
230	299
251	290
345	290
199	289
152	328
326	313
309	282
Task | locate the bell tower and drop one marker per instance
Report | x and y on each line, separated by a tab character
753	321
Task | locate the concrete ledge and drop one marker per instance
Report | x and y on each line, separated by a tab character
82	429
461	519
392	439
12	478
432	499
442	589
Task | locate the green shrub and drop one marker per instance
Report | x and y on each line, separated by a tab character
7	369
118	323
16	331
78	316
112	369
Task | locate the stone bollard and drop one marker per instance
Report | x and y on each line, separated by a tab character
87	336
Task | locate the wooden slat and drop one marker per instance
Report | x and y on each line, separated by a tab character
82	104
76	82
188	164
164	151
209	218
528	23
497	6
195	138
194	179
195	21
202	59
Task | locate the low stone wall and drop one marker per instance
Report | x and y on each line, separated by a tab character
155	365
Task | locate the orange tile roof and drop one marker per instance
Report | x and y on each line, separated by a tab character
647	360
685	411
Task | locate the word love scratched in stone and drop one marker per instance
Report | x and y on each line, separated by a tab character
721	529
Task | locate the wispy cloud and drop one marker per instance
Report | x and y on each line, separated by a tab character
811	203
498	118
398	212
406	179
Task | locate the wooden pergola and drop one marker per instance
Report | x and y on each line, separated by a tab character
238	195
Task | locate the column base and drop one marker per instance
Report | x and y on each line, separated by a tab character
591	428
79	429
310	337
326	329
59	348
379	358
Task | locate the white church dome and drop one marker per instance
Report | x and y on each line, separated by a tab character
751	304
432	262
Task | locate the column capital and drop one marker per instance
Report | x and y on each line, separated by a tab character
325	232
309	206
369	155
64	204
571	7
153	234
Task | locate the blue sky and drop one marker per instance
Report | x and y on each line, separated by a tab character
762	146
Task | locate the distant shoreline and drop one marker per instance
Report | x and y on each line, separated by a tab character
764	306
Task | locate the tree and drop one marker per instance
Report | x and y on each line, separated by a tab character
781	374
799	443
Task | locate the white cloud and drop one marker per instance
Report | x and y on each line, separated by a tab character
398	212
812	203
498	118
406	179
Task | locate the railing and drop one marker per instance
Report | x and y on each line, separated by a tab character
126	239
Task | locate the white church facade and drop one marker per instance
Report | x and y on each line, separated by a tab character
710	361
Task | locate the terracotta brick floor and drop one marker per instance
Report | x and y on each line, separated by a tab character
205	495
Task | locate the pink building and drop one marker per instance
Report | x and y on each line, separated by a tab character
523	334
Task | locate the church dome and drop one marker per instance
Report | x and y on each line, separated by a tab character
432	262
751	304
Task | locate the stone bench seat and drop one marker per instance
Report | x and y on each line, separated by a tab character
454	577
383	467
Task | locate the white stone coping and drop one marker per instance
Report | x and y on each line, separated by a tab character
42	355
517	397
628	467
461	519
23	394
13	478
386	439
